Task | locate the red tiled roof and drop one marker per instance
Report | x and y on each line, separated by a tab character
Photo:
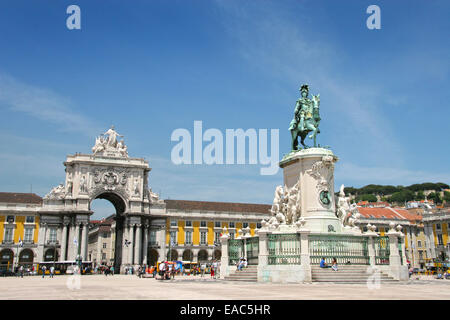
217	206
14	197
389	213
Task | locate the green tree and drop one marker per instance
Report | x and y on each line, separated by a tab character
366	197
402	196
447	196
420	195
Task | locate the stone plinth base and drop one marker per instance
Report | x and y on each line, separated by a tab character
313	171
284	274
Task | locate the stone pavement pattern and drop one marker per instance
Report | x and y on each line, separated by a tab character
122	287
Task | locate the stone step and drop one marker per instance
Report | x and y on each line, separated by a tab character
326	276
243	275
238	279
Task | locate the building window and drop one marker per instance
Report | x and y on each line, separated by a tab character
173	223
103	256
217	237
231	224
104	245
202	223
28	237
203	238
52	236
173	237
29	219
245	225
188	223
258	225
419	244
217	224
152	239
9	232
420	254
188	239
438	226
231	235
440	242
10	219
105	235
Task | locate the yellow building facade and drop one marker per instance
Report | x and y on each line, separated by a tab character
19	229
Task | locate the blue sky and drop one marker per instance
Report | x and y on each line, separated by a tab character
150	67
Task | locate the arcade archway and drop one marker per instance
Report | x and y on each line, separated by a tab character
120	206
26	257
6	259
202	255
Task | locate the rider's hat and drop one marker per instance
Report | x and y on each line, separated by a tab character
304	87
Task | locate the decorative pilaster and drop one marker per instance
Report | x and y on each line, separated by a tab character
41	241
263	254
84	235
125	244
137	245
131	245
304	255
63	256
145	248
77	238
224	268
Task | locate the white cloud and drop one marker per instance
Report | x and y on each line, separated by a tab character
44	105
292	53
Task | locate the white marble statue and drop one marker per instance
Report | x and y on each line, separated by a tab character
136	187
286	206
107	144
112	137
58	193
122	148
293	204
83	184
347	213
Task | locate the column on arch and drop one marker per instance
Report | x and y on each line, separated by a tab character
137	244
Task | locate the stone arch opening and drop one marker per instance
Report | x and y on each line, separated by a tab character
188	255
172	255
26	257
51	255
120	206
6	259
152	257
202	255
217	254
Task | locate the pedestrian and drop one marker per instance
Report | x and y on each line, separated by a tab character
52	271
215	268
112	270
212	270
173	271
202	269
21	271
44	268
334	266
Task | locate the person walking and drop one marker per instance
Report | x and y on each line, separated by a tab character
44	268
214	268
52	271
21	271
112	270
202	269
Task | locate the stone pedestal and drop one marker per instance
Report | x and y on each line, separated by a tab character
313	168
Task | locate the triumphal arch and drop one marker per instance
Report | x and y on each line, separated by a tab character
107	173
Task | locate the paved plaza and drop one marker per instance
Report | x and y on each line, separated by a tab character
123	287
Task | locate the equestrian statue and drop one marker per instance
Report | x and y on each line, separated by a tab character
306	119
